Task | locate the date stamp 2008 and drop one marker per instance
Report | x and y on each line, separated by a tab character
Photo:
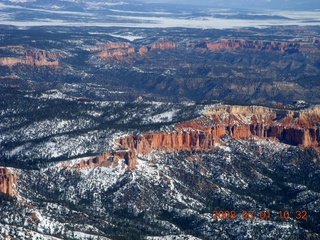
262	214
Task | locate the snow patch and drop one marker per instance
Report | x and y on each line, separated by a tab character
162	117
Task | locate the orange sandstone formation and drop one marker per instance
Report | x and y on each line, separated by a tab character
8	181
121	50
108	158
117	50
292	127
300	128
232	44
40	58
163	44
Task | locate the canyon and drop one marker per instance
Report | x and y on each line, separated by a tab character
299	128
173	65
293	127
31	58
120	50
136	132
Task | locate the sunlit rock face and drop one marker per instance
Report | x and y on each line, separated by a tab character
232	44
38	58
299	128
123	50
163	45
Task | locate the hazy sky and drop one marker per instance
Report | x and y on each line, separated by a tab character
278	4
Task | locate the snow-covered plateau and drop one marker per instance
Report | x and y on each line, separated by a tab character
114	170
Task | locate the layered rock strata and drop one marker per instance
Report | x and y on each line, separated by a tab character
39	58
164	44
299	128
121	50
233	44
117	50
293	127
107	159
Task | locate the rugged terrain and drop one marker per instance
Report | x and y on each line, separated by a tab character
121	133
258	66
156	169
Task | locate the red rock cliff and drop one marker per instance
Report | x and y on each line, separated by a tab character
121	50
292	127
40	58
233	44
116	50
192	135
108	158
163	45
8	181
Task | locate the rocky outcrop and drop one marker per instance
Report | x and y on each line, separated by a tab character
192	135
107	159
308	48
117	50
94	161
39	58
288	126
8	181
122	50
300	128
163	44
233	44
117	53
143	50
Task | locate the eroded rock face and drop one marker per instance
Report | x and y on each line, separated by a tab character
182	138
107	158
163	44
299	128
233	44
292	127
122	50
94	161
117	50
8	181
40	58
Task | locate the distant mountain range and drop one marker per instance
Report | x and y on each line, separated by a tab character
251	4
